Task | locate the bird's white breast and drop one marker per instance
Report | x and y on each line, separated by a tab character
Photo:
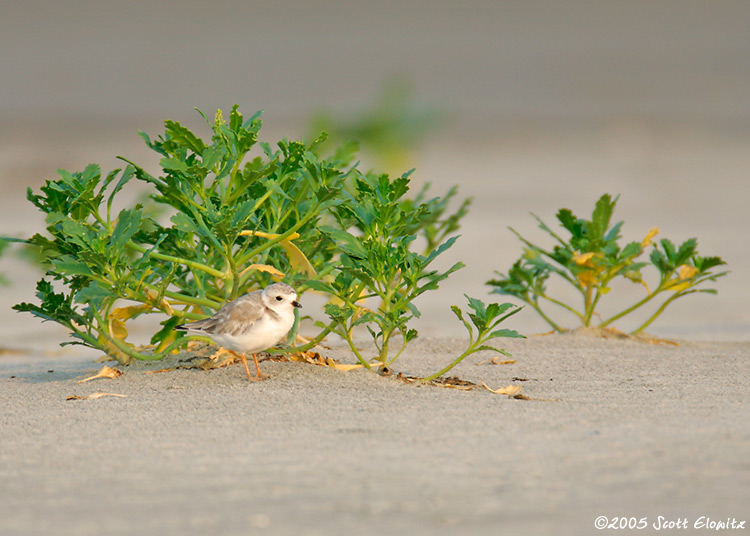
264	333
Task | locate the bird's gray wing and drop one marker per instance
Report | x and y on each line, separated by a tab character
234	318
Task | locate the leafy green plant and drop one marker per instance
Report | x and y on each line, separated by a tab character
377	262
233	222
234	214
591	258
484	320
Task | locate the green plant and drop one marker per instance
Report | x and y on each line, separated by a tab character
377	262
229	222
592	257
233	222
484	320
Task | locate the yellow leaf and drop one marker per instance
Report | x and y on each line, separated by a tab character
685	271
117	329
106	372
297	259
584	259
587	278
153	296
511	390
126	313
263	268
113	351
648	240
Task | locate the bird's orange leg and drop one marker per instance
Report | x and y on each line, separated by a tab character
260	375
250	377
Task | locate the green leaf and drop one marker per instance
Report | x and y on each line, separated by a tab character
601	216
633	249
183	136
491	349
174	164
348	243
93	295
128	223
478	306
124	178
509	333
68	265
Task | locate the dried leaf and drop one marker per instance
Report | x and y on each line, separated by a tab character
347	367
161	370
513	391
106	372
496	361
93	396
314	358
451	382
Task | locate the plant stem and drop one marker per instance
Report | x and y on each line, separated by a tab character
186	299
169	258
659	311
273	241
631	308
547	319
460	358
563	305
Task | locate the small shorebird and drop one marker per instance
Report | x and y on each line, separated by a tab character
251	323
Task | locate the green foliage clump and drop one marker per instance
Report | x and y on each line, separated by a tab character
592	257
234	214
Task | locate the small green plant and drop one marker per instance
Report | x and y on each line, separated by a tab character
377	263
484	320
591	258
229	219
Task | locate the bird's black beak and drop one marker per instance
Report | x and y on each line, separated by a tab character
296	304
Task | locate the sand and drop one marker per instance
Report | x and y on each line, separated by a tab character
612	428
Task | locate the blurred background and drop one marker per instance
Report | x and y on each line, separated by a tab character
527	105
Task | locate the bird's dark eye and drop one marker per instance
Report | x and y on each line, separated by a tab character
279	298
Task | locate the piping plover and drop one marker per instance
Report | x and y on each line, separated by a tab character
251	323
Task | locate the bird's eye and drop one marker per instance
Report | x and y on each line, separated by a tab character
279	298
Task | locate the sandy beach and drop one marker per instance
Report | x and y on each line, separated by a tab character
612	428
